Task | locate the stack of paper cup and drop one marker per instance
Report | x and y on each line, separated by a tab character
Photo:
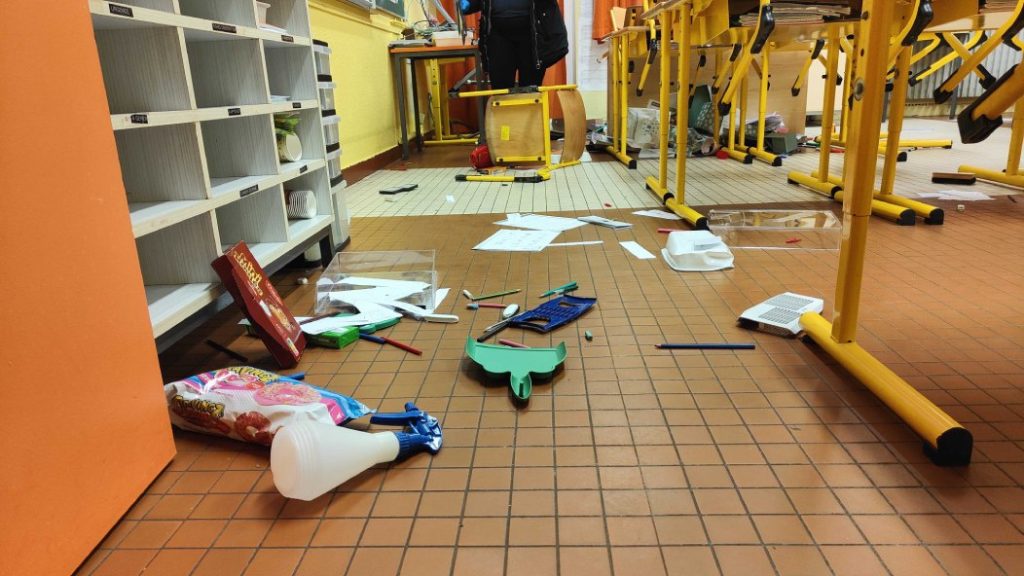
301	203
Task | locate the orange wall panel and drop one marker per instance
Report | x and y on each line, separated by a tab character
83	419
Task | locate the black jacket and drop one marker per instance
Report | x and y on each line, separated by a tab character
550	39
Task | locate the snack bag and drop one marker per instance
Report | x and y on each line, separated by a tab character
250	404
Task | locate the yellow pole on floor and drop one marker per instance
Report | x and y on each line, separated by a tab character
677	202
945	440
897	106
821	183
660	185
757	150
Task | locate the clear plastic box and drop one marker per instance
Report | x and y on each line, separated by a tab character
351	270
777	229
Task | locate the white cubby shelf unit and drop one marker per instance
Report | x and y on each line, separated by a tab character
193	87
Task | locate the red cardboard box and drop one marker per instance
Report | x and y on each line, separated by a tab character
248	284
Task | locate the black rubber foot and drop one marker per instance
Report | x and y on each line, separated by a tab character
777	162
460	178
902	156
748	159
954	448
907	218
701	223
632	164
935	217
791	181
941	96
723	108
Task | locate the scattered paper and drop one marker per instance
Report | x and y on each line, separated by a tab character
517	241
637	250
658	214
967	195
583	243
369	313
439	297
540	222
615	224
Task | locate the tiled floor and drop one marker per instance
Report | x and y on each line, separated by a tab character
710	181
632	460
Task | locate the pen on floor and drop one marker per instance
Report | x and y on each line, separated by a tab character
706	346
395	343
495	294
563	288
226	350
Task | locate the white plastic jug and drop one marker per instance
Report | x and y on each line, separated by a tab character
310	458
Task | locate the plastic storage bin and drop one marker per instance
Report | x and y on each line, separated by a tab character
364	270
777	229
331	136
325	91
334	167
322	57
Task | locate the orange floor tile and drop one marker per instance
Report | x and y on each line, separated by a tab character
633	460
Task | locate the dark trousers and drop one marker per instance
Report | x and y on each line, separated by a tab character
510	53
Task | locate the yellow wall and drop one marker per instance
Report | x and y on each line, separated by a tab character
365	97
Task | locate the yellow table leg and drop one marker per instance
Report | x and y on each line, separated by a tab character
659	185
757	150
945	440
677	202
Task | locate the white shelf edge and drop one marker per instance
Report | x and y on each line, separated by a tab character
169	305
195	28
300	230
148	217
227	190
150	119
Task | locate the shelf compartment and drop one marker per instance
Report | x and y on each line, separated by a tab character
161	5
315	181
176	270
290	71
310	132
144	69
238	12
290	15
322	54
257	219
162	171
240	153
227	72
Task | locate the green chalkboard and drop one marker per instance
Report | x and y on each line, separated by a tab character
396	7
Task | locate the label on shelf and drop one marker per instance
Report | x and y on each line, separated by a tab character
246	191
118	10
296	104
286	38
139	119
234	111
303	169
218	27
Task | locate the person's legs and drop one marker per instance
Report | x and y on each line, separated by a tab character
529	75
501	58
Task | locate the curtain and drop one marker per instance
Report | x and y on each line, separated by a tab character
602	16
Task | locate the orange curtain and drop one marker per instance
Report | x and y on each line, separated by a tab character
602	15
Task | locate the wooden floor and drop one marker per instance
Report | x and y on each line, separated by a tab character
633	460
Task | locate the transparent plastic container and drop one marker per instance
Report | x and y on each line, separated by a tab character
777	229
362	270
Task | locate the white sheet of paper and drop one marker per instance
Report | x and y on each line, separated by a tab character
540	222
517	241
369	312
637	250
583	243
439	297
658	214
600	221
968	195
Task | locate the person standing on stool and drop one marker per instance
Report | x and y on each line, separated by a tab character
519	39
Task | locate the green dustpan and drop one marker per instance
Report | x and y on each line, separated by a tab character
518	363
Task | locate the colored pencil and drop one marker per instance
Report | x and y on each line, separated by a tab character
495	294
402	346
512	343
706	346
